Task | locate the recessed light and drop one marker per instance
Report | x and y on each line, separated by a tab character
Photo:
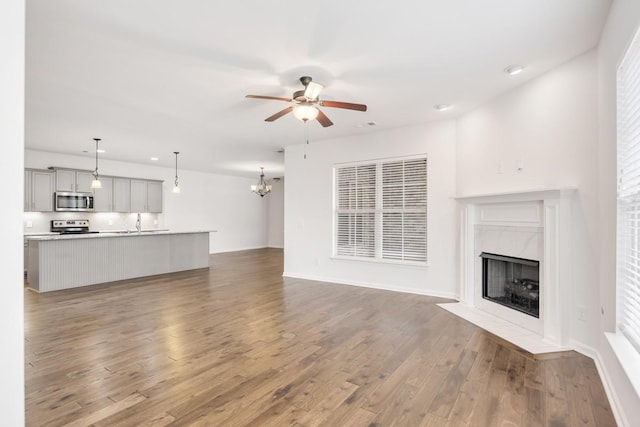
368	124
155	159
443	107
512	70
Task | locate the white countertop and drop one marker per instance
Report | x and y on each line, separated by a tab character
116	233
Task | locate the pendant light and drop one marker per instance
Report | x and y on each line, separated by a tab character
96	178
261	188
176	187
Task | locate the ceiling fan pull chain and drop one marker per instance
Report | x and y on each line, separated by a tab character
306	137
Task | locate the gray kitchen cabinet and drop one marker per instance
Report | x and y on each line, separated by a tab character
121	195
39	188
27	190
72	180
146	196
103	197
154	196
138	195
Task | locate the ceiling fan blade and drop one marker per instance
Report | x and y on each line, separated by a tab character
323	119
347	105
278	114
277	98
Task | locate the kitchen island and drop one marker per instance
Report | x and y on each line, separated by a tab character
69	261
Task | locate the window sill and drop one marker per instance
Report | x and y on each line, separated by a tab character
381	261
628	357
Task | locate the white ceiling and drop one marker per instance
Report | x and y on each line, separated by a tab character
151	77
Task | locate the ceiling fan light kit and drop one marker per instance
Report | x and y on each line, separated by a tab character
305	104
305	112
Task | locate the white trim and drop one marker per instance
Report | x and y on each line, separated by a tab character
430	293
380	159
238	249
380	261
610	391
628	357
583	349
517	196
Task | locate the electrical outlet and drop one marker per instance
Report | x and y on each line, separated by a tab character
29	224
499	168
110	222
155	222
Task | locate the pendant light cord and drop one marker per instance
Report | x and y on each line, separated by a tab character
95	173
176	153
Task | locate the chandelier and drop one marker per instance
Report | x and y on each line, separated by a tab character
261	188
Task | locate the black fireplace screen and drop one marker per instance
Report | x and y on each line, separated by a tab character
512	282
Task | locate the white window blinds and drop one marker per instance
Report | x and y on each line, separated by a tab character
628	229
381	210
355	214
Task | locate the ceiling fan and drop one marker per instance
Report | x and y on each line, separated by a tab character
306	102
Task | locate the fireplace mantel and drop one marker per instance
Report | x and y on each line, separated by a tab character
518	196
543	211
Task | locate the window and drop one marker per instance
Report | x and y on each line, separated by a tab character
628	229
381	210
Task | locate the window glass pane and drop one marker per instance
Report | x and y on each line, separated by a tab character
628	227
389	198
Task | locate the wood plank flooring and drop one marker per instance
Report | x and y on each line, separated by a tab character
238	345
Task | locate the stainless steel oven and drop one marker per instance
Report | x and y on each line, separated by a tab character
74	202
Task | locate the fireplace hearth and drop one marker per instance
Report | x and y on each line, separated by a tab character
511	282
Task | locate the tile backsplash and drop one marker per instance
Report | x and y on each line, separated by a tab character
40	222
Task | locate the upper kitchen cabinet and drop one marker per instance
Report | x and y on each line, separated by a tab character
146	196
38	190
103	197
121	195
72	180
154	196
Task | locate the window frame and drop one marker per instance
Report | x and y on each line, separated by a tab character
628	194
379	211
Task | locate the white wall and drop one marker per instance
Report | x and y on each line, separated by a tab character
623	21
309	210
206	202
12	19
276	214
550	124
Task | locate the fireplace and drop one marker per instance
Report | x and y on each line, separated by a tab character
511	282
533	231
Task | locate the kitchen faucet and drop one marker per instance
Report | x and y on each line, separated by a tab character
138	225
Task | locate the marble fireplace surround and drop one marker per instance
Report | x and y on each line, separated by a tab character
533	225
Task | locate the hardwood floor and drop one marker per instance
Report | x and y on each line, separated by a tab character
239	345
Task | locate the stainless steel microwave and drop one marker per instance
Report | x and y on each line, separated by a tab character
75	202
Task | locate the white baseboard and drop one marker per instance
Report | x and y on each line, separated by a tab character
438	294
614	402
583	349
236	249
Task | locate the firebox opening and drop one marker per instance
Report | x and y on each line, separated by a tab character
512	282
